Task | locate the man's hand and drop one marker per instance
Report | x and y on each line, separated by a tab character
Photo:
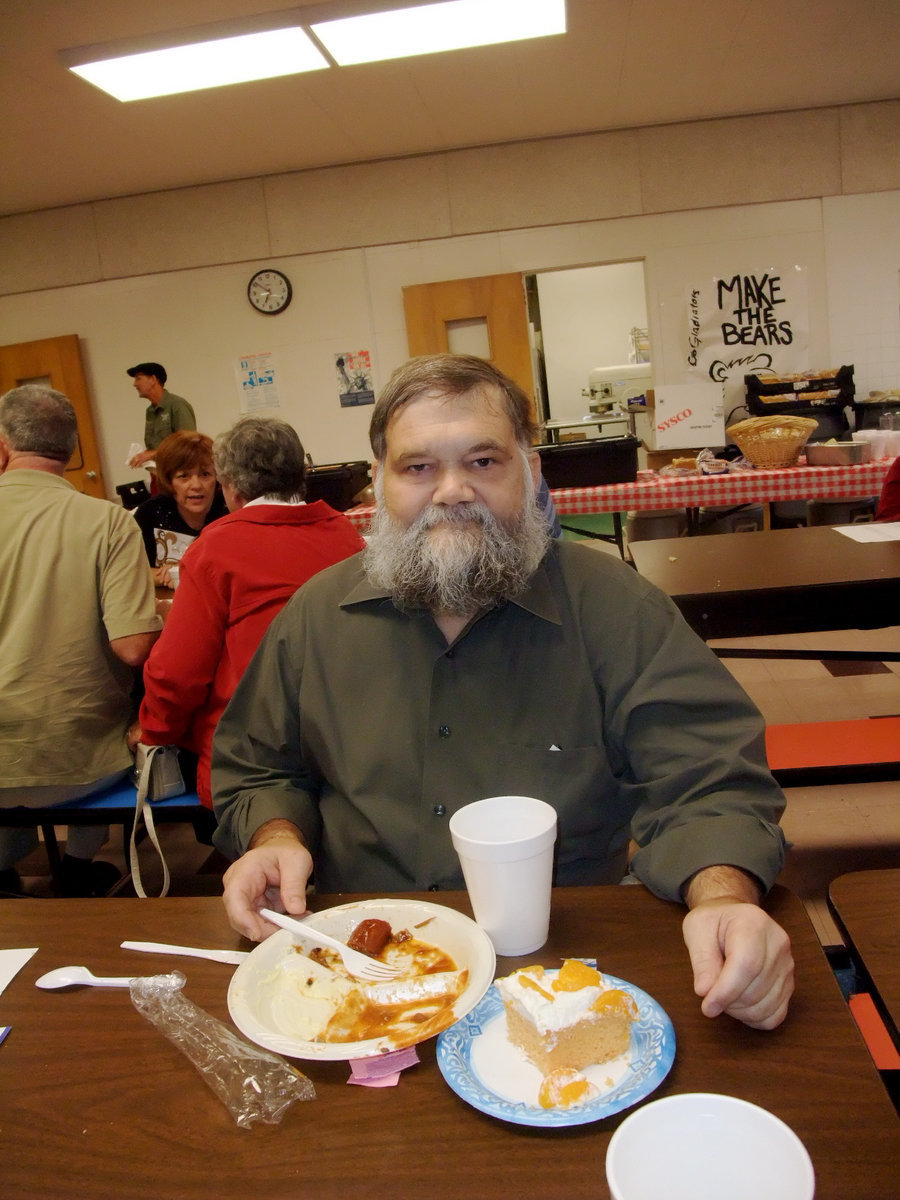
272	874
139	459
741	958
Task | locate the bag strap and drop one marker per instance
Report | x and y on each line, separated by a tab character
144	811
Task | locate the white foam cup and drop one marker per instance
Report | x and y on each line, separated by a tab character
505	848
875	438
704	1146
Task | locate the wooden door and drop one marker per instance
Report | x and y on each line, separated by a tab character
497	300
57	362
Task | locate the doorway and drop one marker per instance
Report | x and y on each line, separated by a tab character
57	363
583	318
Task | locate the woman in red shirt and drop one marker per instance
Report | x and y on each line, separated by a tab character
232	583
889	502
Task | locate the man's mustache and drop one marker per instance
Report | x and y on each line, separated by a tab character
459	514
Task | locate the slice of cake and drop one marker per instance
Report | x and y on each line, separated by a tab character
569	1019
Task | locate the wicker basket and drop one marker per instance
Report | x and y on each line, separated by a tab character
774	441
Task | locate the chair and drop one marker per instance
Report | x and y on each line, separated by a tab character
114	806
133	494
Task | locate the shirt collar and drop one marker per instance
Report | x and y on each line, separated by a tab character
538	597
273	500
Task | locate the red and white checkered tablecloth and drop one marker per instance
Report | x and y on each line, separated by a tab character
651	491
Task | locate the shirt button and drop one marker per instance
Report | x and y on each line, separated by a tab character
439	810
433	887
450	654
444	731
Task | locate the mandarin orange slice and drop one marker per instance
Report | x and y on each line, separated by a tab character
617	1001
575	975
564	1087
527	981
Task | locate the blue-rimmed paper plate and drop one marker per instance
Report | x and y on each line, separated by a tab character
482	1066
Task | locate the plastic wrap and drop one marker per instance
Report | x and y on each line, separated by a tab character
252	1083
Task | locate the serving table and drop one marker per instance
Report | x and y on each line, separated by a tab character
651	491
95	1102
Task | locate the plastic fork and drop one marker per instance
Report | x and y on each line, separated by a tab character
359	965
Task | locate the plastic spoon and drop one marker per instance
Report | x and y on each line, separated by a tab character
63	977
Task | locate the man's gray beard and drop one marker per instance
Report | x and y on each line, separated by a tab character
475	562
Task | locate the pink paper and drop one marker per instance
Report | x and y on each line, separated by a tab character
382	1070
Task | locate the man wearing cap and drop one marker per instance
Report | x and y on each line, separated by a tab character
166	412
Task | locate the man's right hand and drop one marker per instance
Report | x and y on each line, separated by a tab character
139	459
273	873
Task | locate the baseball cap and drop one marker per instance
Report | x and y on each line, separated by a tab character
156	369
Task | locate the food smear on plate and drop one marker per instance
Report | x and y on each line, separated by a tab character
315	997
566	1020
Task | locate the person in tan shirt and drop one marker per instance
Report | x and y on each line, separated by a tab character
77	618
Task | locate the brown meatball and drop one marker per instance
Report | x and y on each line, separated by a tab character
370	937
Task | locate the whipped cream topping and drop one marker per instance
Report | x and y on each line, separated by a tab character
563	1010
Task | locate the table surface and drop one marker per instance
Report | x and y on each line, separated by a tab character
866	905
94	1101
775	581
651	491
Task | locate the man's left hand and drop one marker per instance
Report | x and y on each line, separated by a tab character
742	961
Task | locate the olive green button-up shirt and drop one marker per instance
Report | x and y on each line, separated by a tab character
359	723
171	414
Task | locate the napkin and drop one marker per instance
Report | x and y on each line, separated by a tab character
382	1070
11	963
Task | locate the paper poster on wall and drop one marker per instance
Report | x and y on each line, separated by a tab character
354	378
753	322
257	382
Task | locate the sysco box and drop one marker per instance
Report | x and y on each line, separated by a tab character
688	415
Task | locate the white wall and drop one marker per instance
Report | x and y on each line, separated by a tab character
197	322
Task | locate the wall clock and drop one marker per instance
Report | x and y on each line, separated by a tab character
269	292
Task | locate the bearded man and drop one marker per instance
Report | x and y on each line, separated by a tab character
464	654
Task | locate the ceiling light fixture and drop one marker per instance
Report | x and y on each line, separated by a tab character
432	28
287	43
196	59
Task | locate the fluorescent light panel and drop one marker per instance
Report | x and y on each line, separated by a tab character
206	64
142	69
433	28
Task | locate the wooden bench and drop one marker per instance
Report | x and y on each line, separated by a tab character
824	752
114	806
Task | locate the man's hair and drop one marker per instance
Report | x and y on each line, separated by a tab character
261	456
181	451
451	375
38	420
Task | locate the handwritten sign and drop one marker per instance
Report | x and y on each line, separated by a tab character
747	321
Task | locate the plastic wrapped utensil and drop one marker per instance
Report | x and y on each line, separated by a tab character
252	1083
